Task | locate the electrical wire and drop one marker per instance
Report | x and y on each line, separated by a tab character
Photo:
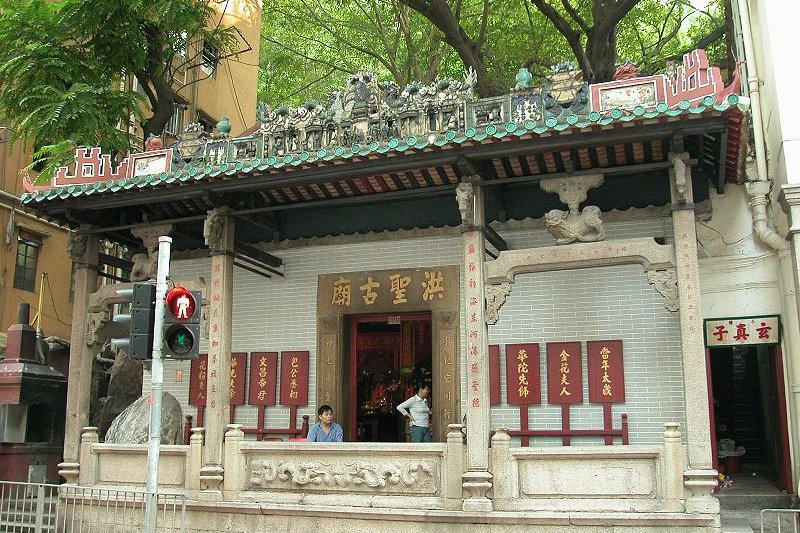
722	237
52	301
235	95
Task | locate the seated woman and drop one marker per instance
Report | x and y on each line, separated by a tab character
326	430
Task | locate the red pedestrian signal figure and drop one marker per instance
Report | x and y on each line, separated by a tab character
182	324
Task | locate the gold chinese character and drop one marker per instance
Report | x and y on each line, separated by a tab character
399	288
606	390
447	378
295	362
446	414
522	368
262	362
262	394
433	286
448	341
523	380
564	392
341	292
522	355
606	379
523	391
262	383
370	295
564	380
293	394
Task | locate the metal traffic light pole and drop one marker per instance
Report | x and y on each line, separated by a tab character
156	387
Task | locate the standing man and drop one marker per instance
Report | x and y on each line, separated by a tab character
418	413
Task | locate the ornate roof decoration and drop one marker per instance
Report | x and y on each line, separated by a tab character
367	117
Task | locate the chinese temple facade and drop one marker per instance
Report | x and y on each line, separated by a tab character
555	264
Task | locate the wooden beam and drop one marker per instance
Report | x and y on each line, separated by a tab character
494	238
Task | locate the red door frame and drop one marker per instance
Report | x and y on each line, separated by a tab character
784	460
354	321
784	456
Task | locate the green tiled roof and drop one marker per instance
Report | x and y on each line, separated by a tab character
411	143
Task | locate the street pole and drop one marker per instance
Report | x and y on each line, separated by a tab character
156	387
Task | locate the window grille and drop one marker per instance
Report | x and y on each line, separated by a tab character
28	246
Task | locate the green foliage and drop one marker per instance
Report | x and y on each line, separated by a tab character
310	46
63	64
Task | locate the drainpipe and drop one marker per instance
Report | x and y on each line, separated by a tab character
761	186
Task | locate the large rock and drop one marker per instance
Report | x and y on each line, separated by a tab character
124	388
132	426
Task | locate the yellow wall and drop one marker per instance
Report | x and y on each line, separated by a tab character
53	257
236	78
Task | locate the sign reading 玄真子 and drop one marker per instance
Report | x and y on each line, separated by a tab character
743	331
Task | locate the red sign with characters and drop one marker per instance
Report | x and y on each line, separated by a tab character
263	378
523	374
494	375
606	372
198	379
294	378
238	377
564	378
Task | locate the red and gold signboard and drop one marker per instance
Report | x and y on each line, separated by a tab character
198	379
751	330
238	377
198	376
606	372
494	375
263	378
523	374
564	380
294	378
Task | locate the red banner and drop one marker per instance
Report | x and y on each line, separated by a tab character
564	380
494	375
238	377
294	378
198	379
263	378
523	374
606	371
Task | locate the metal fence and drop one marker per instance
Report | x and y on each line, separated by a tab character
42	508
780	520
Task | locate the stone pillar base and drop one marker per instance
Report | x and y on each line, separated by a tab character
70	472
699	484
211	477
476	485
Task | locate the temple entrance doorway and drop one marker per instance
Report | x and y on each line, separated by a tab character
749	431
389	355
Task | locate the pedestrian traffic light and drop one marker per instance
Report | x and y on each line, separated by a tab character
182	324
140	319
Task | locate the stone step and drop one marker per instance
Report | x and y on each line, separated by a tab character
735	525
756	502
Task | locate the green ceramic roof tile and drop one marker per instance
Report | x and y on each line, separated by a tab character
571	122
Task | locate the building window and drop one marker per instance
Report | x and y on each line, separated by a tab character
27	260
206	122
175	124
210	59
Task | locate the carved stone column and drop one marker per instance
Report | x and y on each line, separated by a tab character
477	479
83	250
700	478
219	234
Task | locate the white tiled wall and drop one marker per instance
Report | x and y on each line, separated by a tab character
605	303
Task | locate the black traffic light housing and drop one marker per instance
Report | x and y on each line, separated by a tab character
139	343
182	324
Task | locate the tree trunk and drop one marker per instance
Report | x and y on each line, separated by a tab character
162	103
601	52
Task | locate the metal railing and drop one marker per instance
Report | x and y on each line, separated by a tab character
780	520
43	508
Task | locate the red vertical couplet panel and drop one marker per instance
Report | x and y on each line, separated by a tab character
294	378
606	371
238	377
494	375
263	378
198	380
564	377
523	375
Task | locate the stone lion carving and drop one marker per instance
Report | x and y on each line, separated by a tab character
76	246
568	228
145	267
